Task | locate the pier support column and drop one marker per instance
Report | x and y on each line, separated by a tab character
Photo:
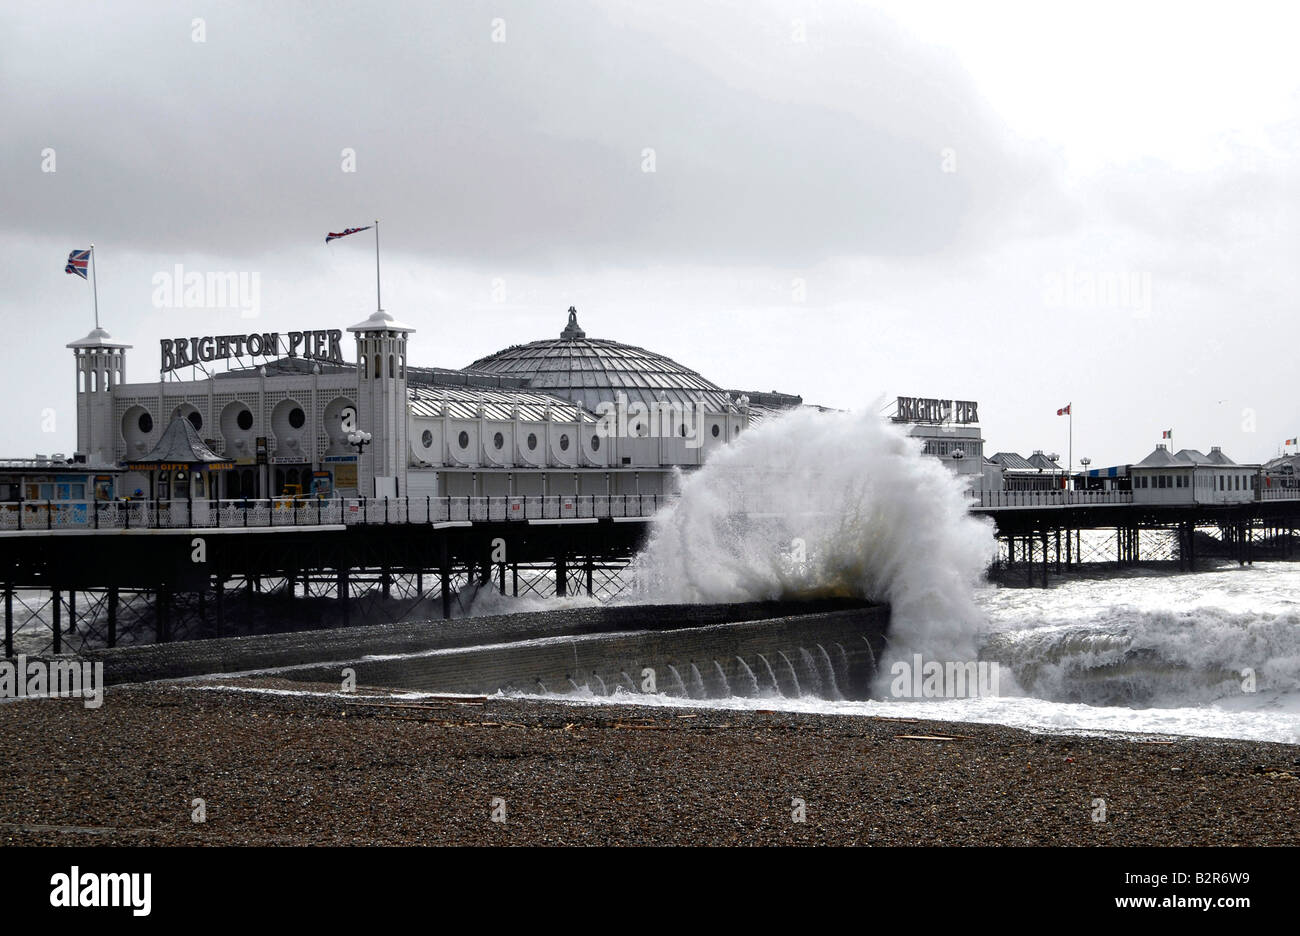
112	615
561	577
9	621
220	582
344	598
58	621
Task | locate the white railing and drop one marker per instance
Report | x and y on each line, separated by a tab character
1277	494
992	500
305	512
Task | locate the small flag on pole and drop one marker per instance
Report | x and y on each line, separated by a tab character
1064	410
1291	441
331	236
1167	434
77	262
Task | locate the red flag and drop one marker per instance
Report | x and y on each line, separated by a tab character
1064	410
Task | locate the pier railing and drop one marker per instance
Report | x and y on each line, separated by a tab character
1005	499
290	512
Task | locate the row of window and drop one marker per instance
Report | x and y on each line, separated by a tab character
243	419
498	440
1225	482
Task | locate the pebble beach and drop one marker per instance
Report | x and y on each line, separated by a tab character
278	763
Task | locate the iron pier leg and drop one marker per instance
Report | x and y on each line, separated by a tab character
9	620
221	604
72	611
344	598
58	621
112	615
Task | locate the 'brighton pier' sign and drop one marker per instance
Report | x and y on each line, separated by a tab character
926	410
320	345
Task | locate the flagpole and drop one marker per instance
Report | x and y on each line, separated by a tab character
1071	449
94	284
379	304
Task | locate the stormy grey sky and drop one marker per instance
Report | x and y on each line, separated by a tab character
847	200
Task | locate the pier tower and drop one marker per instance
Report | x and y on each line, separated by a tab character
381	404
101	368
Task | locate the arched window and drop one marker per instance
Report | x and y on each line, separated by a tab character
392	370
379	366
365	366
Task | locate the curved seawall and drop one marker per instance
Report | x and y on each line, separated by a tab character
825	648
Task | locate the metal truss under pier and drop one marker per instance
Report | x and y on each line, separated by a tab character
1035	542
76	590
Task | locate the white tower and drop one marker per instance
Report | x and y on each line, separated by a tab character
101	367
381	404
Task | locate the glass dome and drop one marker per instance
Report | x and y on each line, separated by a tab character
590	371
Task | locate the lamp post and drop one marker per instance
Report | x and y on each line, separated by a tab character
360	440
1085	461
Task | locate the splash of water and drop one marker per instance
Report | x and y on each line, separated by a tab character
776	686
697	684
828	504
722	678
830	674
794	677
748	680
678	684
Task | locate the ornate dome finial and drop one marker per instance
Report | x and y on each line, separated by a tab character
573	330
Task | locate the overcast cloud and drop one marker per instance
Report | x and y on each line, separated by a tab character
847	200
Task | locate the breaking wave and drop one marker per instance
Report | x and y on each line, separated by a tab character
828	504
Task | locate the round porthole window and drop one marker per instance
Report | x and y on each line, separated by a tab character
463	439
564	443
244	420
716	430
498	440
426	438
595	443
297	418
145	422
195	420
532	441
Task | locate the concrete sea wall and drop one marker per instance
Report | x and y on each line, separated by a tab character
826	648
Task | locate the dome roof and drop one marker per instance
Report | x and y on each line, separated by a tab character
594	370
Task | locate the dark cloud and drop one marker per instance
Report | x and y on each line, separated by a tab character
526	152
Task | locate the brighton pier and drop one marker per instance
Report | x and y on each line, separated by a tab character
302	491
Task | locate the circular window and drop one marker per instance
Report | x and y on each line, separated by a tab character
716	430
564	443
532	441
145	422
463	439
195	420
297	417
426	438
498	440
595	443
244	420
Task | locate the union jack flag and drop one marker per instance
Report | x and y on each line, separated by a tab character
78	260
331	236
